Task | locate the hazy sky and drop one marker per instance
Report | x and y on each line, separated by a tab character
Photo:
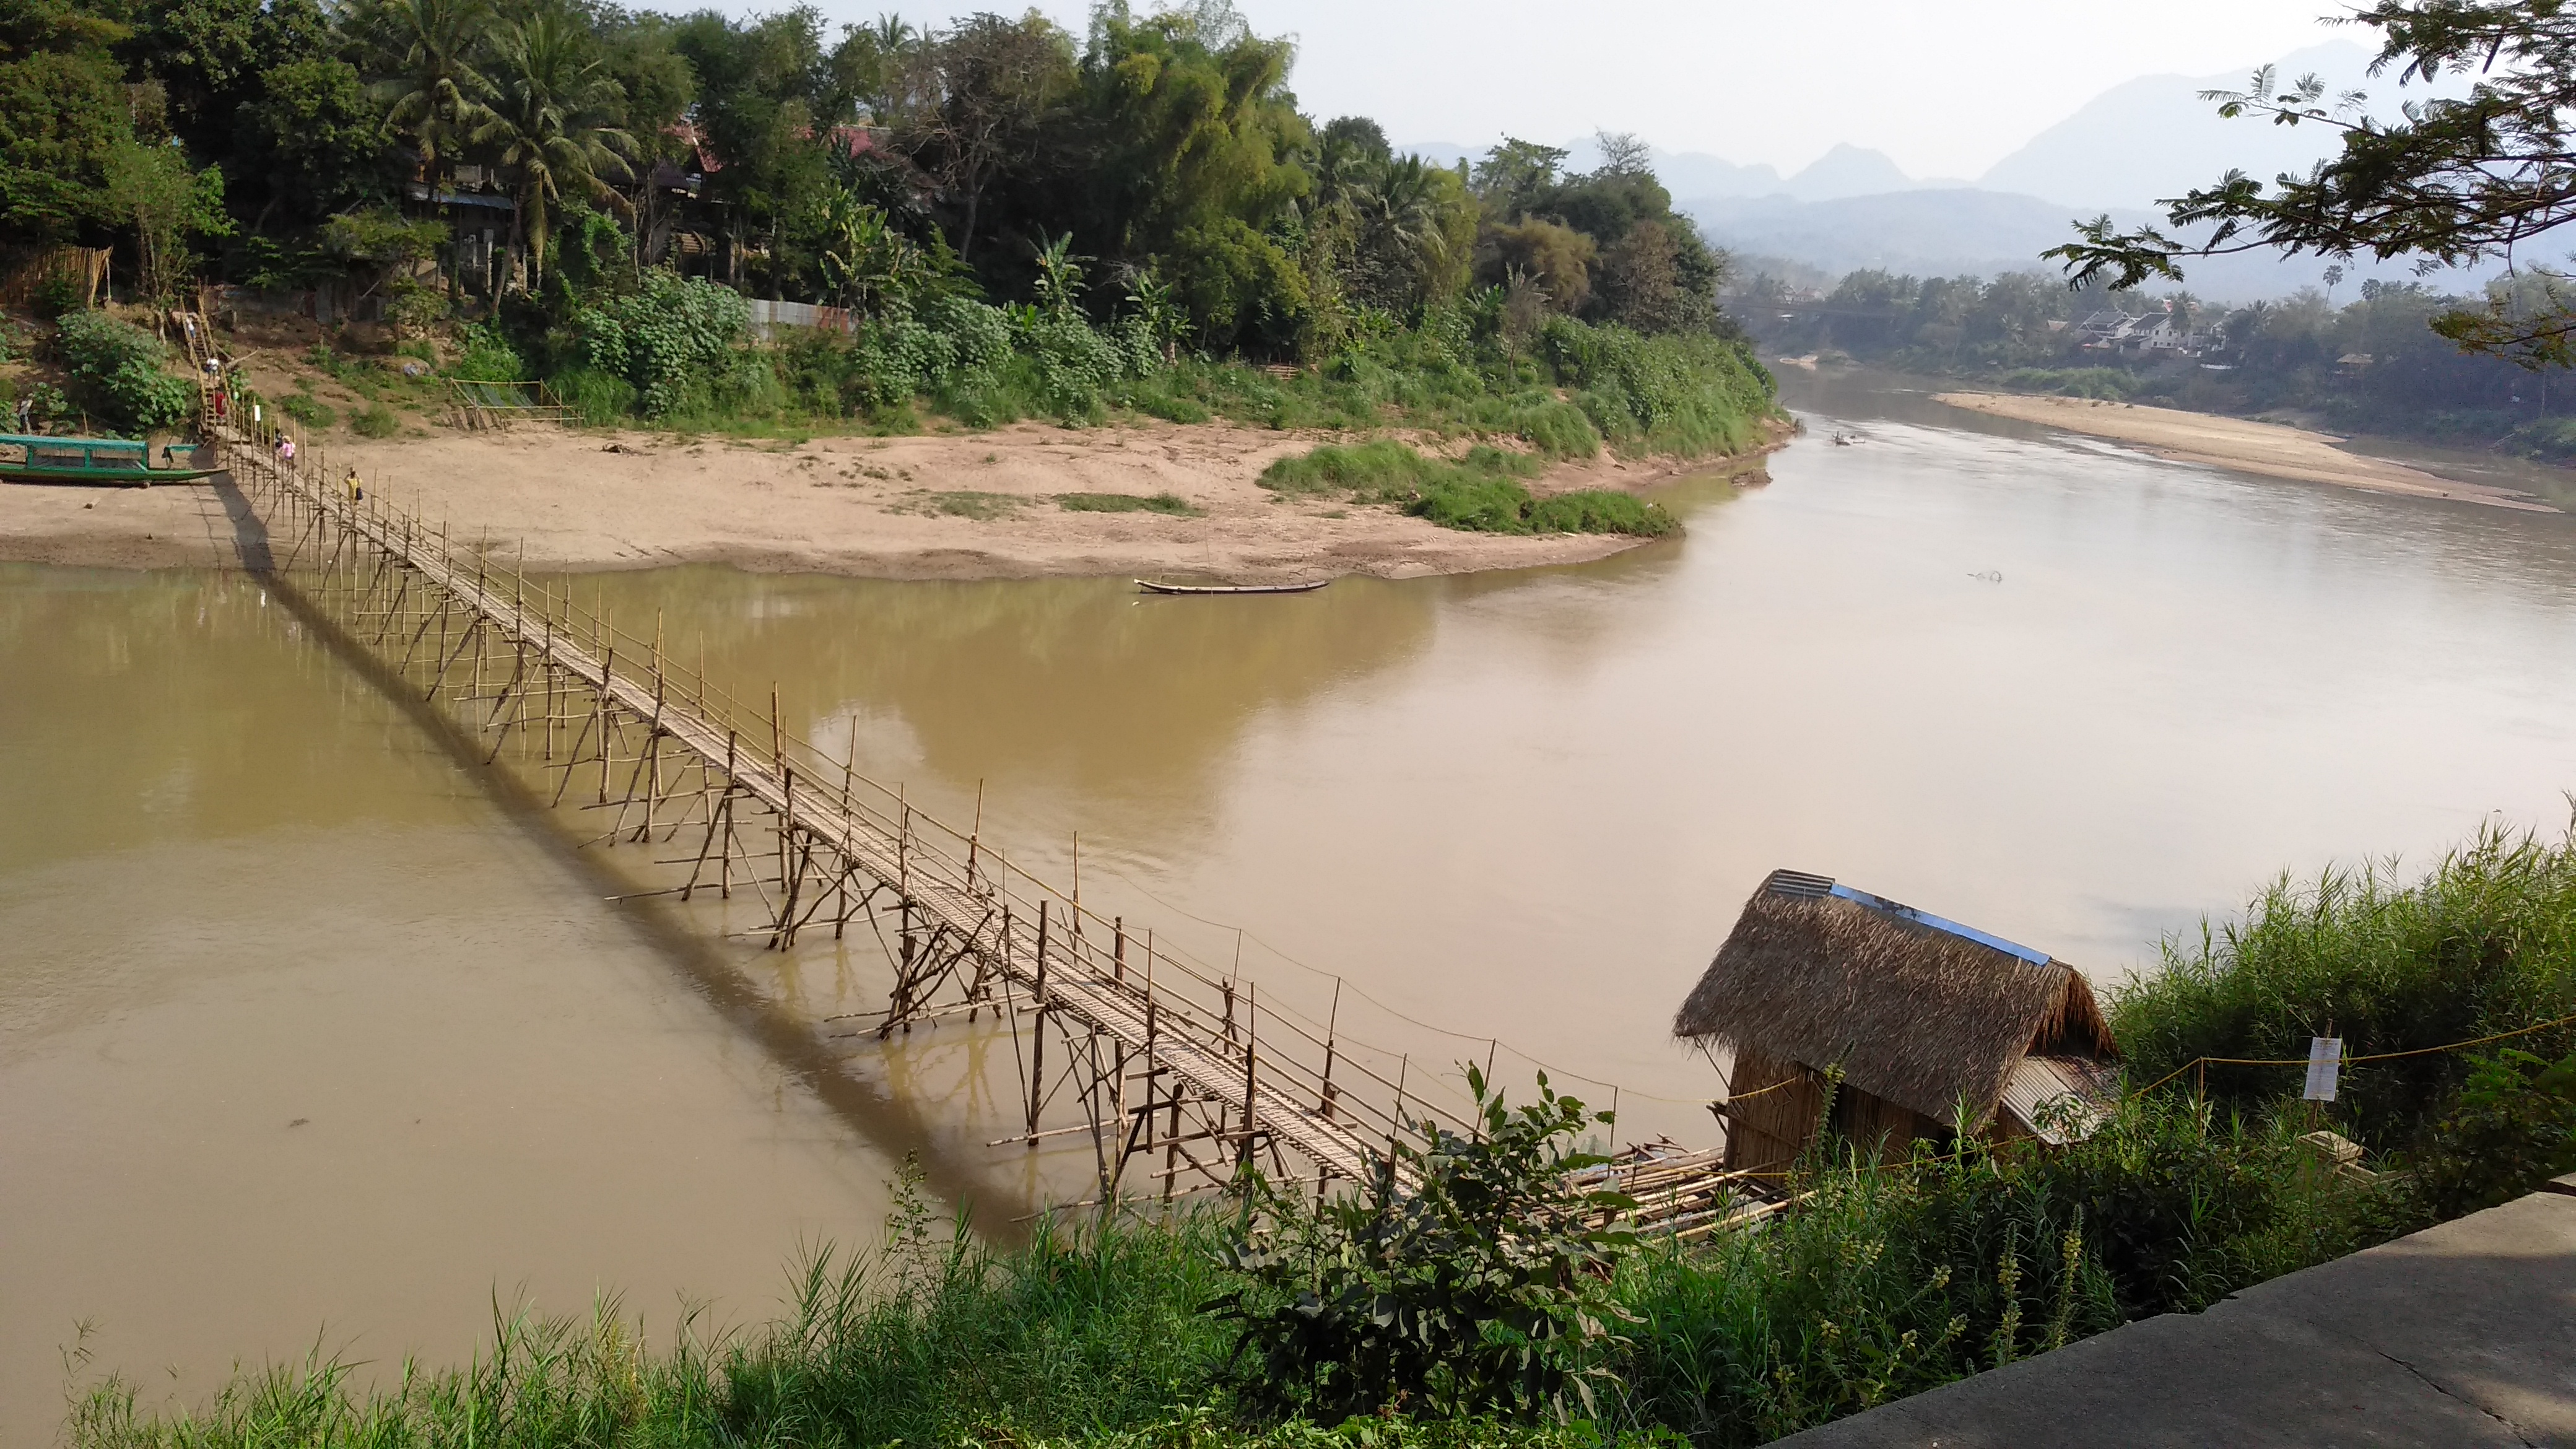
1947	89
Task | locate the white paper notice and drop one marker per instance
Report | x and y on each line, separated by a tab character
2325	1064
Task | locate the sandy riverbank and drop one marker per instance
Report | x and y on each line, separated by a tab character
2249	447
956	505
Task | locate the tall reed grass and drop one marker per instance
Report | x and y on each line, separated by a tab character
2483	941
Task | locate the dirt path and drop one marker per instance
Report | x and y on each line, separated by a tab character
956	505
2249	447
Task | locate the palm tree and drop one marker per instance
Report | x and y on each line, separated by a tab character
1400	219
425	72
546	113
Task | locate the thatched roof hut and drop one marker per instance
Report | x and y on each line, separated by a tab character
1936	1027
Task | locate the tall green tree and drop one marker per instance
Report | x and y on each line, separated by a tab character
1194	161
214	58
63	114
547	114
991	86
153	190
423	53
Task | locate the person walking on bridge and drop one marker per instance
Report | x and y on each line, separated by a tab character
27	414
357	490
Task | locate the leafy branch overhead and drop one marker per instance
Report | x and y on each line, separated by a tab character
2446	181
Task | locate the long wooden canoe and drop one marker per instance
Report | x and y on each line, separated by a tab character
92	460
1151	587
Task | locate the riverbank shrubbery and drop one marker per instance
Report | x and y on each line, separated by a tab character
681	353
1481	491
1481	1308
2483	942
2107	384
117	374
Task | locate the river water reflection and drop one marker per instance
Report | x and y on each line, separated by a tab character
2070	694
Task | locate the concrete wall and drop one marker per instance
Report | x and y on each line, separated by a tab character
2463	1335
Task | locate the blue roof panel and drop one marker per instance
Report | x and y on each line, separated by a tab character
1926	918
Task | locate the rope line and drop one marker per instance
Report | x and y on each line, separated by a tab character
2353	1061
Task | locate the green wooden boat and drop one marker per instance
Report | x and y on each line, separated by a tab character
97	460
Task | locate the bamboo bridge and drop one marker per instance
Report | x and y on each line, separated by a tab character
1157	1059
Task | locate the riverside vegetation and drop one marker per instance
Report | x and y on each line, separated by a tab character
1015	222
1489	1309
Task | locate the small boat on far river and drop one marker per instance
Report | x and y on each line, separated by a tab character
1151	587
97	460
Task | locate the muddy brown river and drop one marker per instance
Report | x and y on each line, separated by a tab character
314	1032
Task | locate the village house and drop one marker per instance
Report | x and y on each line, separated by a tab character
1934	1028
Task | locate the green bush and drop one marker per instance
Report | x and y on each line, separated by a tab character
1598	510
488	357
2508	1131
1560	430
1482	1289
117	375
307	409
2108	384
1480	492
671	340
378	421
597	398
1894	1278
1170	503
1171	409
58	295
1686	395
2483	942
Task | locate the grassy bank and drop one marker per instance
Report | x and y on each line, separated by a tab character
1482	491
1889	1278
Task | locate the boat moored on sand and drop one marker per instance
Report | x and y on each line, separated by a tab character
25	459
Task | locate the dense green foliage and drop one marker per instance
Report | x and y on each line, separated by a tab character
116	373
1478	1286
2484	942
1888	1279
670	340
1481	491
2513	1125
1014	220
1891	1280
1171	504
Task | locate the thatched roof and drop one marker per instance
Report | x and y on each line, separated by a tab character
1917	1010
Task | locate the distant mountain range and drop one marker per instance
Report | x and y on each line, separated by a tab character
2121	152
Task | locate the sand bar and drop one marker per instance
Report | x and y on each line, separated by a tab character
2248	447
951	505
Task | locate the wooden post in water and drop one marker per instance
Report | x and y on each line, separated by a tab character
1037	1035
1118	1053
1331	1023
1251	1049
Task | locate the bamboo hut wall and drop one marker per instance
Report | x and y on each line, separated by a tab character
1771	1111
1877	1126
